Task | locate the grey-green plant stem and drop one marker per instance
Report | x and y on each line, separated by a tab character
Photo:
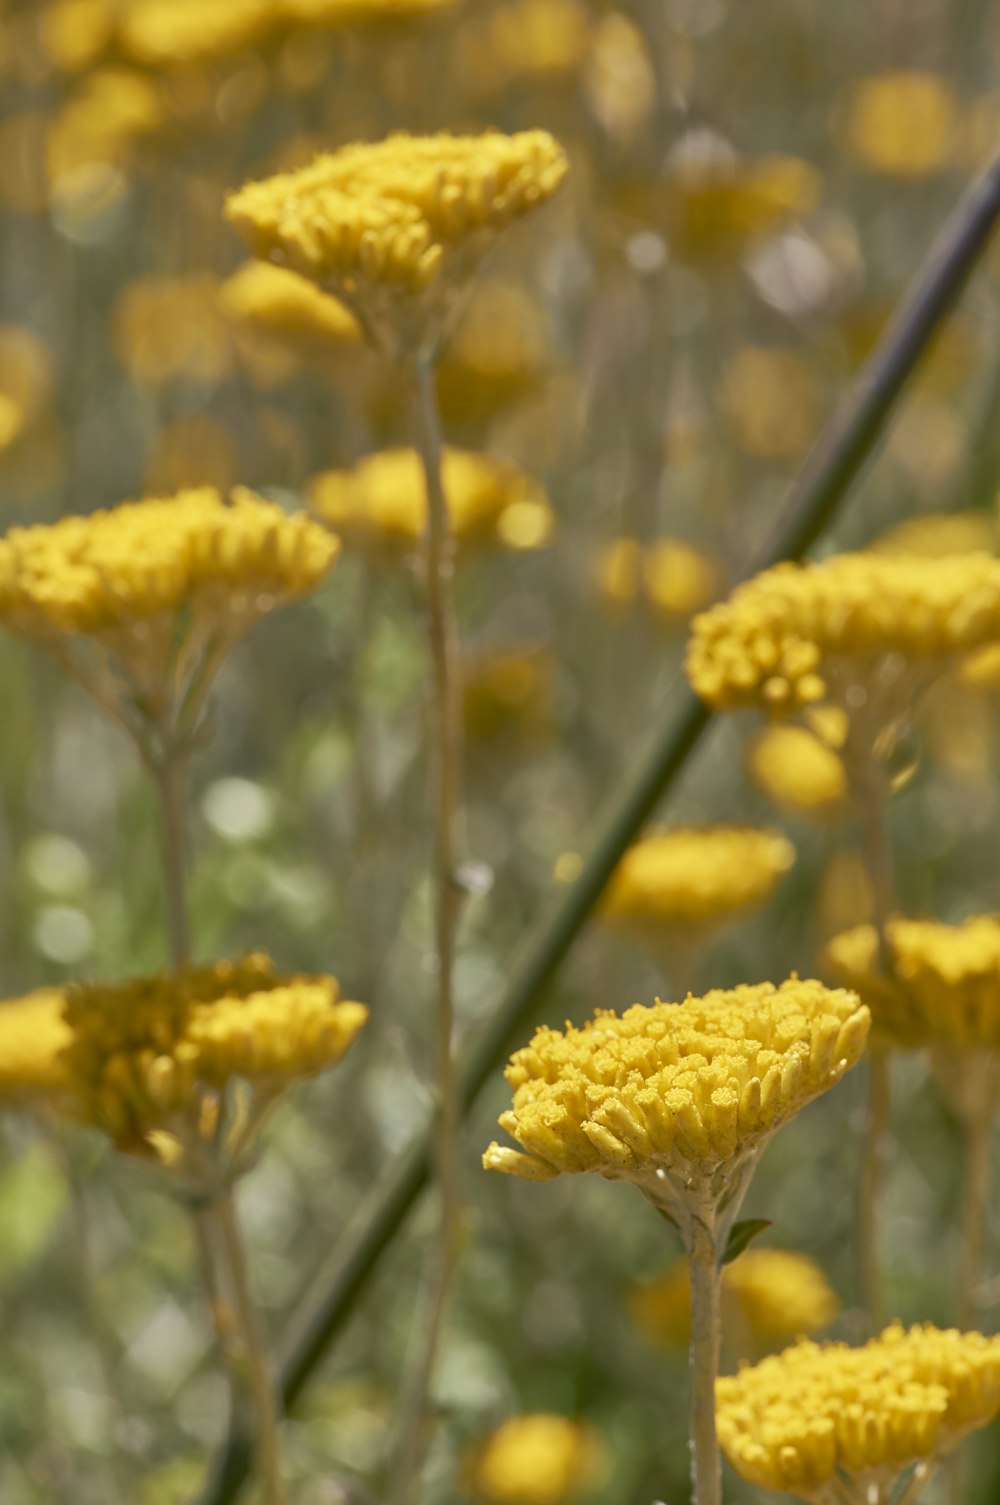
706	1336
446	753
829	471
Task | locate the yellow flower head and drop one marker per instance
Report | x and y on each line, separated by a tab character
278	302
174	33
934	534
771	1295
350	12
674	577
797	1421
901	124
386	226
770	399
113	110
382	502
167	328
676	1092
943	982
75	33
499	352
789	638
797	769
718	204
509	691
535	1460
544	39
33	1035
25	381
694	876
147	1059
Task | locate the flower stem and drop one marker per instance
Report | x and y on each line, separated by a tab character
223	1213
446	752
706	1473
976	1198
168	773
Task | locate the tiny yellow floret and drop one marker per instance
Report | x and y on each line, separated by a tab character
33	1035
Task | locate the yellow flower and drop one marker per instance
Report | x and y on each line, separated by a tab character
901	123
677	1098
694	876
770	399
389	227
797	769
675	578
75	33
717	204
773	1295
934	534
33	1035
544	39
499	352
535	1460
281	303
25	381
382	502
798	634
825	1422
348	12
172	33
113	109
168	328
510	691
162	588
147	1059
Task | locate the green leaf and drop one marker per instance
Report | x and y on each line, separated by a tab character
741	1234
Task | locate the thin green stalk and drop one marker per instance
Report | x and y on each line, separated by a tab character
168	774
820	487
222	1212
447	756
706	1468
976	1201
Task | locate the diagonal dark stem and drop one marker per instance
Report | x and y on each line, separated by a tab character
817	492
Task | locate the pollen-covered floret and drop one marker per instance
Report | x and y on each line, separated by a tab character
144	1055
779	638
382	502
388	214
675	1085
792	1421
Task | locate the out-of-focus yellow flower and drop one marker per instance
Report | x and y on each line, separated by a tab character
852	959
391	228
148	1059
676	1098
693	877
25	381
168	328
844	896
76	33
33	1035
546	39
797	769
981	670
619	81
173	33
674	578
934	534
499	352
797	1420
287	306
929	443
773	1295
716	204
536	1459
769	397
160	589
511	691
113	109
352	12
901	123
382	503
794	635
190	452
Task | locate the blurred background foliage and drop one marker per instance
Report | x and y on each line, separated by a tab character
751	188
